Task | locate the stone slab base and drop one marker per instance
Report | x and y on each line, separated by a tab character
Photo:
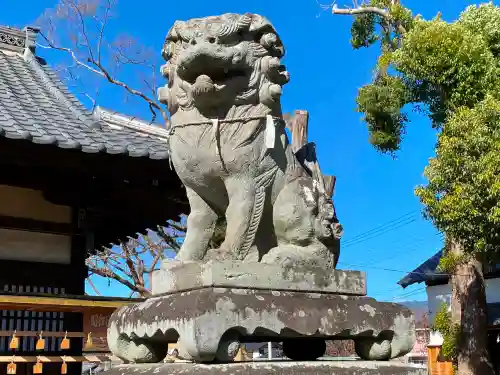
175	276
211	322
274	368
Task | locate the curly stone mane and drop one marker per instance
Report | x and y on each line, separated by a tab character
228	60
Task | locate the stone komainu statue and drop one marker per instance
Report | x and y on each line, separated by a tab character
230	150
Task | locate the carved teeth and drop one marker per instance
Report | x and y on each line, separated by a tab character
203	84
204	79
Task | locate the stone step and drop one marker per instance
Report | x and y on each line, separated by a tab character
275	368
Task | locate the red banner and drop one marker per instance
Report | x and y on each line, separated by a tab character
95	323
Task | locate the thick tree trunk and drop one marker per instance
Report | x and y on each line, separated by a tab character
468	308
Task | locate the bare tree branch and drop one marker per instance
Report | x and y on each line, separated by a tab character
80	29
71	52
92	285
111	275
367	10
101	31
74	11
133	262
92	100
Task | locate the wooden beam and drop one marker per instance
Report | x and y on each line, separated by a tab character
298	125
70	335
10	222
56	304
299	129
26	153
57	359
330	184
28	273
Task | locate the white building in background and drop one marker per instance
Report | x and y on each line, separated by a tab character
265	351
438	290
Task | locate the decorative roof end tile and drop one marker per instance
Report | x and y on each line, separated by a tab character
17	40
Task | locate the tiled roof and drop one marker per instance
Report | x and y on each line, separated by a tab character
35	105
429	272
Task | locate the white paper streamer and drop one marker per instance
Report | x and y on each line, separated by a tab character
270	134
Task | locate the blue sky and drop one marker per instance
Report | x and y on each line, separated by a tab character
372	189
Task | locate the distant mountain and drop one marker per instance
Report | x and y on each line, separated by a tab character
419	305
420	310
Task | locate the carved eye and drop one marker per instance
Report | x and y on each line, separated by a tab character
211	40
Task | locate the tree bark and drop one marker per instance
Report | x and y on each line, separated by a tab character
469	310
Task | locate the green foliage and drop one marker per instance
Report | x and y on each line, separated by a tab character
402	16
369	28
381	103
444	66
450	70
449	262
448	64
463	193
449	331
363	31
484	20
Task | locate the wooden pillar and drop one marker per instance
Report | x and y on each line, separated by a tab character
76	286
330	184
436	366
298	125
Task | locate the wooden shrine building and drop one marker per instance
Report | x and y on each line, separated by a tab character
71	181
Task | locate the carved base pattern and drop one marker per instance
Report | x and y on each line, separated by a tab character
210	323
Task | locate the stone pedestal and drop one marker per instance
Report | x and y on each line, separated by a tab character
209	309
175	276
274	368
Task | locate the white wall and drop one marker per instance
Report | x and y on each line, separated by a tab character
438	294
493	290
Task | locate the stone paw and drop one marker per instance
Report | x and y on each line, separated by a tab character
228	348
373	349
139	350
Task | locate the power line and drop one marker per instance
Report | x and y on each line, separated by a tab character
399	241
400	271
390	223
391	290
382	229
409	294
378	233
400	253
394	297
